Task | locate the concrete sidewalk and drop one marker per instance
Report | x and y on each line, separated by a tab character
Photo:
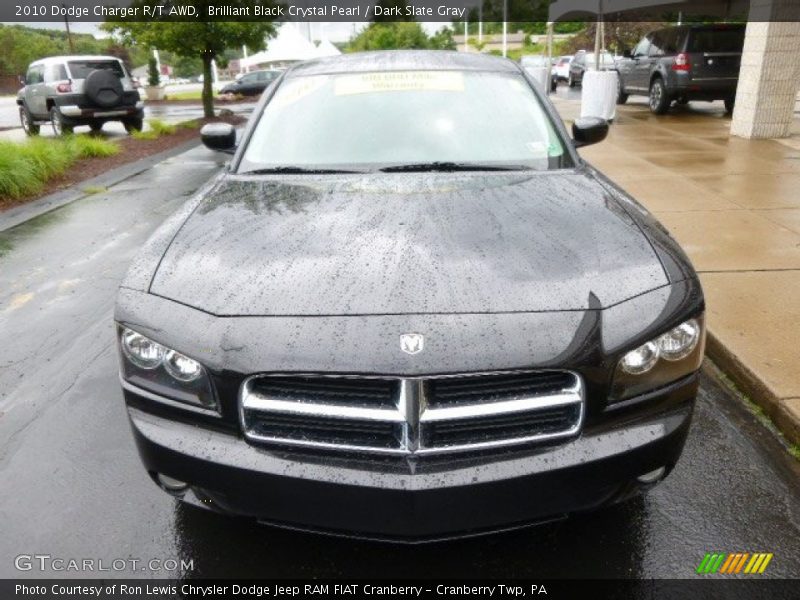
734	205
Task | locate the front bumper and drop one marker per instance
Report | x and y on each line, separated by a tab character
420	499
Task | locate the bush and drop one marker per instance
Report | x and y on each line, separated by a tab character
18	173
25	167
153	76
85	146
161	128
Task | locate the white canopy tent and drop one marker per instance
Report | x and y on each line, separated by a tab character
287	47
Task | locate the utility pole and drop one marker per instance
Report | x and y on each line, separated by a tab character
505	28
69	35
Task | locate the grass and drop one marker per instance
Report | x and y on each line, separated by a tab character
156	130
161	127
188	95
794	450
26	167
90	190
86	146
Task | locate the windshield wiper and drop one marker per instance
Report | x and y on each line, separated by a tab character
450	166
296	170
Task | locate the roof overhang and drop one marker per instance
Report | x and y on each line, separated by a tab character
565	10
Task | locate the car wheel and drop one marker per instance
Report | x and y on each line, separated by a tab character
659	101
553	84
28	125
132	125
59	126
729	104
622	97
571	81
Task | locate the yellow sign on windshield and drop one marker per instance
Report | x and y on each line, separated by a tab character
399	81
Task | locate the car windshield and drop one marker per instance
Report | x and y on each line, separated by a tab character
80	69
534	61
447	120
605	59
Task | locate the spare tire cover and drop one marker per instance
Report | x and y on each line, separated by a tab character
103	87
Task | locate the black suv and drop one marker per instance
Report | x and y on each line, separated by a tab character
689	62
78	90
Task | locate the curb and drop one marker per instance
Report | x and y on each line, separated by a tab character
18	215
783	412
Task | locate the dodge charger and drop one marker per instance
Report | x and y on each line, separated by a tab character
407	309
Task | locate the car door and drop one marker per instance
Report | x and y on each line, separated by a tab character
639	79
249	84
35	92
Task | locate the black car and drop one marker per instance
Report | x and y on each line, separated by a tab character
689	62
406	320
251	84
585	61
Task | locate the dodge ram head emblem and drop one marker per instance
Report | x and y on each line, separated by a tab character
412	343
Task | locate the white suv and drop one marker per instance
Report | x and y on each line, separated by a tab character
70	91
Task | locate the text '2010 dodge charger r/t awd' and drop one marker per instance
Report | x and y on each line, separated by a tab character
409	310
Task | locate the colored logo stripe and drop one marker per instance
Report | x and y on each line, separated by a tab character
737	562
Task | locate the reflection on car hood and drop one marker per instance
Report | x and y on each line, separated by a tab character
407	244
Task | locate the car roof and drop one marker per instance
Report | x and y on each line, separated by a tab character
67	58
402	60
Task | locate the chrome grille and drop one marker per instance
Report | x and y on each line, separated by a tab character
422	415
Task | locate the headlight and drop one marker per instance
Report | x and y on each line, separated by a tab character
141	351
678	343
640	360
667	358
167	373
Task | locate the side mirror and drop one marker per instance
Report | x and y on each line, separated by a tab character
219	136
627	53
589	130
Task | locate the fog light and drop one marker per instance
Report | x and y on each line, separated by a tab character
171	485
652	476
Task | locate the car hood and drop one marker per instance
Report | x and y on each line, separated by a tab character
407	244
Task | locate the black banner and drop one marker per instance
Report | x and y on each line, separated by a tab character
223	589
513	11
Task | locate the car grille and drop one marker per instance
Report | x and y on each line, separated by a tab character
424	415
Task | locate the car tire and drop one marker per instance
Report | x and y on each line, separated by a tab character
553	84
729	105
60	128
104	88
571	81
28	125
132	125
622	97
659	100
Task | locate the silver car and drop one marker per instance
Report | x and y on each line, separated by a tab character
70	91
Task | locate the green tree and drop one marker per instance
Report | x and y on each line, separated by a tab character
202	39
389	35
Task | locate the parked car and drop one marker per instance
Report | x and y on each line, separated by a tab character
585	61
69	91
535	61
689	62
251	84
435	324
560	71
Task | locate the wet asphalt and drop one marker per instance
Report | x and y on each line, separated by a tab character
71	484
